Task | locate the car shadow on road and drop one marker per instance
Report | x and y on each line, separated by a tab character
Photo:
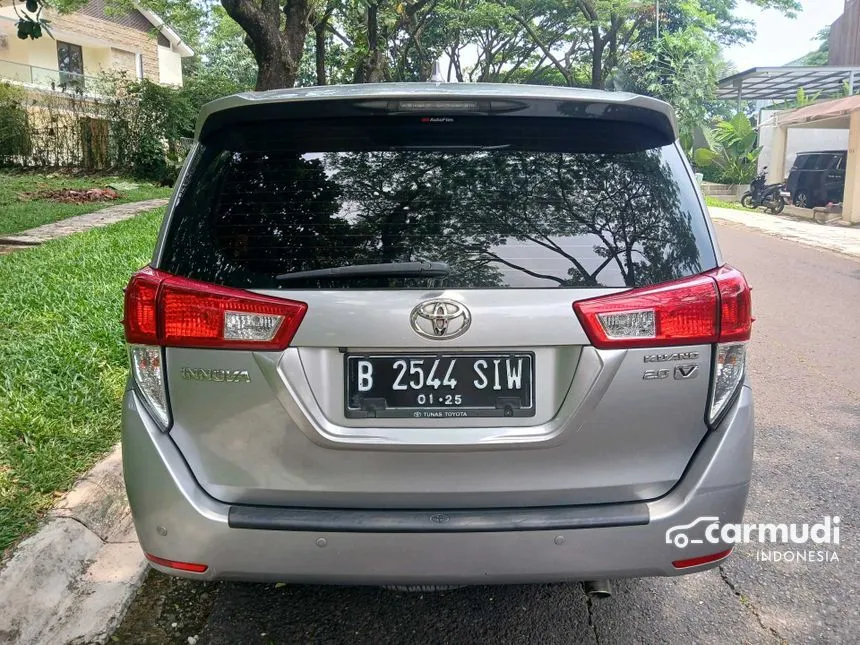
315	614
172	610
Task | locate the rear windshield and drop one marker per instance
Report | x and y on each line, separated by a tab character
503	202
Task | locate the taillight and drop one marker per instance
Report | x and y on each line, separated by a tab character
683	312
735	304
163	310
730	357
140	315
707	308
710	308
194	314
170	311
729	366
148	373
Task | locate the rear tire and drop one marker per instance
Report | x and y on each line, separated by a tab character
801	199
777	205
747	201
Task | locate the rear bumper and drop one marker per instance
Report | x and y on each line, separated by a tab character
176	520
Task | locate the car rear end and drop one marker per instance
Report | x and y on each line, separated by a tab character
421	334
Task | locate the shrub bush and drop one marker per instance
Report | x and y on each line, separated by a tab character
125	125
14	130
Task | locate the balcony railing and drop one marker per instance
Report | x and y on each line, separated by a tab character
45	78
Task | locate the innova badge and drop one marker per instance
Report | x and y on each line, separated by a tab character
440	319
219	376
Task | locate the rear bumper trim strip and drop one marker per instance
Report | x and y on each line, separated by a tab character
438	521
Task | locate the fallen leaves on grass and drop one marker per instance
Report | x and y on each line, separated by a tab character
72	195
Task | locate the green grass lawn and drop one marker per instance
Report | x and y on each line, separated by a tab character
64	362
17	215
713	201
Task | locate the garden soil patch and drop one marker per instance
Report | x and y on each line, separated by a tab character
73	195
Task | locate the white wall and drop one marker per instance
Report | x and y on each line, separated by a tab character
799	140
96	60
169	67
40	53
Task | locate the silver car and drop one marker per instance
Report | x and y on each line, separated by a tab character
431	334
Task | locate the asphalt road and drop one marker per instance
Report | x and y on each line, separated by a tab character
805	366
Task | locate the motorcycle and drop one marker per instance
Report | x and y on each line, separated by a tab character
761	194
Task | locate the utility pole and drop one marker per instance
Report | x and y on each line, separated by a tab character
657	19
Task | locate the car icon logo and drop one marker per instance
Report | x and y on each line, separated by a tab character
440	319
677	534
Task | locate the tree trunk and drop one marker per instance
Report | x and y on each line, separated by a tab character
272	70
298	13
278	53
372	68
319	50
597	81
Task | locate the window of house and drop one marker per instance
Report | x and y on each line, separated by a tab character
70	62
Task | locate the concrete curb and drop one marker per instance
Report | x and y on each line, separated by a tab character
73	580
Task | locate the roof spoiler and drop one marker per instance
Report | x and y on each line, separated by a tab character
431	98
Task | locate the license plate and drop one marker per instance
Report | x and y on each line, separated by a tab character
439	385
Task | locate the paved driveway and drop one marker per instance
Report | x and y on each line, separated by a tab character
806	373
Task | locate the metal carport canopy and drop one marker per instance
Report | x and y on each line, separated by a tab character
783	82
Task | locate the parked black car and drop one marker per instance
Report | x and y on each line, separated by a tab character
817	178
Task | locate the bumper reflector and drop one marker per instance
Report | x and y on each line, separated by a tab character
702	559
173	564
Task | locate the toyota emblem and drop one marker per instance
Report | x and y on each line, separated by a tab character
440	319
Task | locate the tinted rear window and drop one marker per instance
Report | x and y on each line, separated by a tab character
505	202
825	161
806	162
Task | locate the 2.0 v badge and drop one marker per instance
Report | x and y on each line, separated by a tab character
682	373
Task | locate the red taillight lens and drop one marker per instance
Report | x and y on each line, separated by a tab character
735	304
140	307
162	309
175	564
674	313
195	314
683	312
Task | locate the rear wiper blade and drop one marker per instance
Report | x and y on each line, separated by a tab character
382	270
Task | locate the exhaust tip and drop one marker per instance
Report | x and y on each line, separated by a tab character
597	588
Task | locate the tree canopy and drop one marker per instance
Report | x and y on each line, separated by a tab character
595	43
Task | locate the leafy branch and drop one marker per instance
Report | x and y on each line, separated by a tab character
30	23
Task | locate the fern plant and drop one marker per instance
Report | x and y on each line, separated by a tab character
732	150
